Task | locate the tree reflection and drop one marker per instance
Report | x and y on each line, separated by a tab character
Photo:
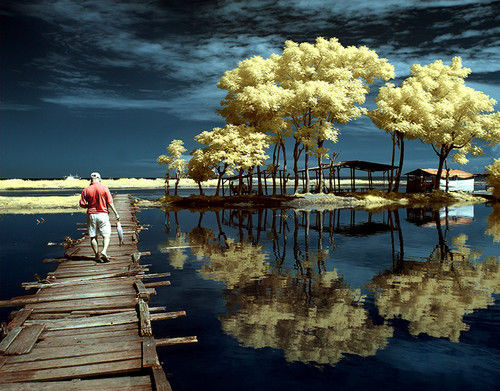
435	294
309	313
494	223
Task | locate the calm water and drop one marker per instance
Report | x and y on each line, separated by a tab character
310	300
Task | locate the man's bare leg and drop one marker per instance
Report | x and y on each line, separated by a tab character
95	246
104	252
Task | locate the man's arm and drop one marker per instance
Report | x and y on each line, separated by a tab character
112	206
83	201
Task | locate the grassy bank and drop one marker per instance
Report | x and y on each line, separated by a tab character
40	205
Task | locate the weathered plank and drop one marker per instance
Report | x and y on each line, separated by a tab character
167	315
9	338
26	339
100	320
145	318
149	356
142	292
156	284
136	383
110	368
161	382
19	319
175	341
94	358
82	349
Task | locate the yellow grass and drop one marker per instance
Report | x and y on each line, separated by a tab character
40	205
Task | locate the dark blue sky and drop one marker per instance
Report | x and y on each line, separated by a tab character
106	85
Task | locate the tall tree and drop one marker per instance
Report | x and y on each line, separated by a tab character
398	110
199	168
174	160
454	116
325	84
234	147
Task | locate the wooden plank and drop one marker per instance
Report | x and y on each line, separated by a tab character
136	383
94	358
157	283
175	341
127	335
83	349
161	382
19	319
142	292
100	320
149	356
9	338
90	331
26	339
145	318
153	275
167	315
32	299
126	301
73	372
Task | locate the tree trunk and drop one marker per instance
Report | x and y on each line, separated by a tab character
320	171
250	180
275	169
283	191
443	154
306	169
259	181
221	174
240	181
201	188
296	156
447	176
401	161
177	180
391	177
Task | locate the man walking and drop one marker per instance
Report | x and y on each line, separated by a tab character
96	198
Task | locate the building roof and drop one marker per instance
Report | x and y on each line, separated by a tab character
433	171
360	165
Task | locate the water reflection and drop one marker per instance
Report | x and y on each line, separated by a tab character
494	223
284	291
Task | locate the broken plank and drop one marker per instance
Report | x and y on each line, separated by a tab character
145	318
19	319
9	338
26	339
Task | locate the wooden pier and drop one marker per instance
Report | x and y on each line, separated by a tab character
88	324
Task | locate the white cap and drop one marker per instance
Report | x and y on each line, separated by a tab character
95	175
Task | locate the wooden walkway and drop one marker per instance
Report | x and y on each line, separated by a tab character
88	325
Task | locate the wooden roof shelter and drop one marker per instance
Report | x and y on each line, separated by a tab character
423	179
333	172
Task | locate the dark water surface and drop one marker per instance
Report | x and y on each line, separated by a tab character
295	300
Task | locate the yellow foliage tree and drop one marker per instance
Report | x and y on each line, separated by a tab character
493	178
199	168
305	90
237	147
453	116
174	160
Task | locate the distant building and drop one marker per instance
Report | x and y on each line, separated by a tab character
423	179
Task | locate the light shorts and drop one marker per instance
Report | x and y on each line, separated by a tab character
98	223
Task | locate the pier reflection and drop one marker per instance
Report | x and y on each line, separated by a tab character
284	291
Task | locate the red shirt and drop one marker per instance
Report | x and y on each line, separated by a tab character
96	197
